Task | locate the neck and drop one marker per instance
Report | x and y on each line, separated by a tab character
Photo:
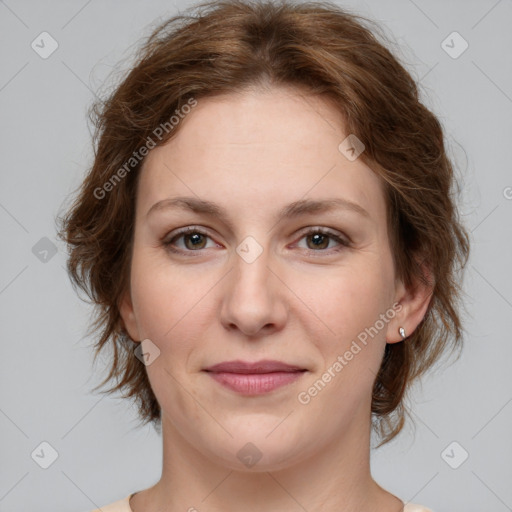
335	479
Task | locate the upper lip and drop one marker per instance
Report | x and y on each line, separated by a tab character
264	366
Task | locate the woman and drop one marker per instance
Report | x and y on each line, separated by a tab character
269	235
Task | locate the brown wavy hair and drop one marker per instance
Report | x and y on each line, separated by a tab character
226	46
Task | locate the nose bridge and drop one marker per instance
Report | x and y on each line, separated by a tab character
252	300
251	272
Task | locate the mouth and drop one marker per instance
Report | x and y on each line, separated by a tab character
254	378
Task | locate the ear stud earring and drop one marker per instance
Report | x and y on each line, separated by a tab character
401	330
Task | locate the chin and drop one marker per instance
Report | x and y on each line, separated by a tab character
258	452
252	459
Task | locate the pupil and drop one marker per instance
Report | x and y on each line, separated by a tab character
317	239
195	239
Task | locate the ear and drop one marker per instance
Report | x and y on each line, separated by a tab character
414	301
127	313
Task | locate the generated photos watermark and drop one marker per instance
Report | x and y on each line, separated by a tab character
138	155
305	397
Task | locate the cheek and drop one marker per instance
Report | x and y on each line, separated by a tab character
171	314
345	301
166	297
350	303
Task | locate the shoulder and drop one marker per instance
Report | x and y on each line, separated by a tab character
413	507
117	506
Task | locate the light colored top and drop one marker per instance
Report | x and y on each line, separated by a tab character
124	506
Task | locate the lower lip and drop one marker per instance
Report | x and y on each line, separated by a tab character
255	383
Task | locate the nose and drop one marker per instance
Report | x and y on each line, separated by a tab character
254	299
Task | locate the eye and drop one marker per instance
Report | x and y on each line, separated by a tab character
194	240
319	238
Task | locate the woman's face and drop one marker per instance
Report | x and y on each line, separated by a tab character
252	284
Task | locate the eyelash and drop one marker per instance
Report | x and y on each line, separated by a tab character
191	229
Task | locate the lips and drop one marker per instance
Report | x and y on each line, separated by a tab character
243	367
256	378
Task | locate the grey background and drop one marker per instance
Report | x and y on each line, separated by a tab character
46	371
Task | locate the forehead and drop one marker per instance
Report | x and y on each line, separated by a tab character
261	149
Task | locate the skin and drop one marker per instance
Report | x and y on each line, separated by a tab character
253	153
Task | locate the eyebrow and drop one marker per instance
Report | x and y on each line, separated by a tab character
295	209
